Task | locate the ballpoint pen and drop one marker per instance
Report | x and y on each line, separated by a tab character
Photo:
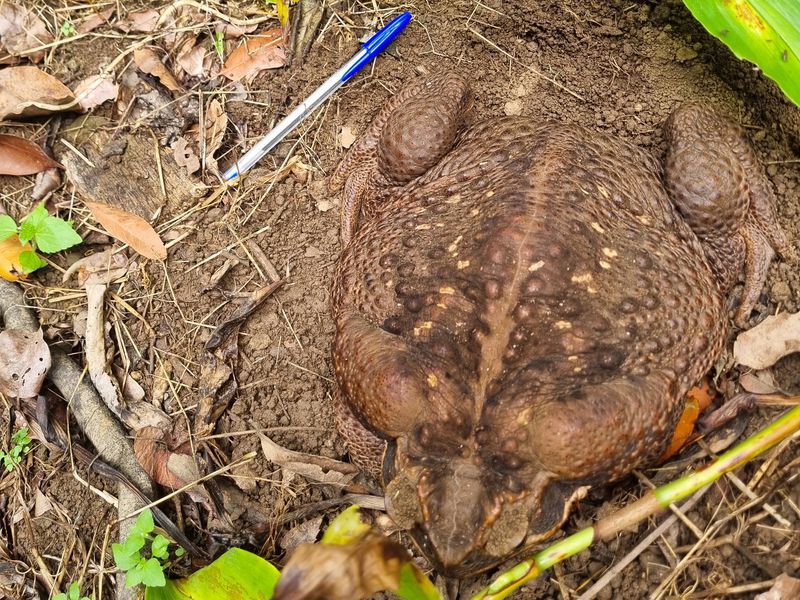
372	47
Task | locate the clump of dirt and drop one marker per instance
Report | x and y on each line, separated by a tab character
618	67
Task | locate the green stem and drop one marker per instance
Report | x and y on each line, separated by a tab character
508	582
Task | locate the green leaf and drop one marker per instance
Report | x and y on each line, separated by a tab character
37	215
144	523
54	235
8	227
134	576
345	528
74	591
236	575
765	32
179	551
153	573
159	546
61	596
30	261
414	585
126	554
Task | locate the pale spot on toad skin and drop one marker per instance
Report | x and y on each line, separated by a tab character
452	247
475	212
610	252
489	194
454	199
585	278
440	224
590	289
447	290
577	369
423	227
563	325
605	265
536	266
463	264
597	228
390	283
433	381
644	219
441	305
572	358
603	191
422	326
524	417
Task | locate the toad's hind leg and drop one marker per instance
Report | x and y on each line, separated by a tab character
366	449
722	192
411	133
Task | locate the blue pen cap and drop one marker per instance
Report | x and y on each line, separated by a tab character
378	42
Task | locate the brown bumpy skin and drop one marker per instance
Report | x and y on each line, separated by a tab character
521	308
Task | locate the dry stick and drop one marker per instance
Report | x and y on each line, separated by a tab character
94	418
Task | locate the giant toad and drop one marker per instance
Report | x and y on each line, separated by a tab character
521	307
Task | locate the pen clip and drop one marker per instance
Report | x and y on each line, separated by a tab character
375	45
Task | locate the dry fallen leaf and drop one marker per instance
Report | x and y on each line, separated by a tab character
144	21
130	229
191	60
346	137
21	30
29	91
10	249
95	90
310	466
254	55
95	21
784	588
342	572
24	362
769	341
172	469
184	155
19	156
46	181
149	62
101	267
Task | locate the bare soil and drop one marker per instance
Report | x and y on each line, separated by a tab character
621	67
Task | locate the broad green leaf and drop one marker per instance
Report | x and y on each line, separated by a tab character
54	234
126	554
30	261
159	546
37	215
8	227
134	576
26	232
153	573
414	585
236	575
74	591
345	528
765	32
144	523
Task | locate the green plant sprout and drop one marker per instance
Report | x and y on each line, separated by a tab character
20	446
45	233
218	41
765	32
147	569
73	593
68	30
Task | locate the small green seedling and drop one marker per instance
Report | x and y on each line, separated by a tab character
73	593
140	565
20	445
68	30
219	44
45	233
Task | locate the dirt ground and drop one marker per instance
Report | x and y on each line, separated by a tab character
618	67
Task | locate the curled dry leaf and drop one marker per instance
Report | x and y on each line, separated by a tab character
22	31
191	60
46	181
769	341
343	572
185	156
254	55
29	91
130	229
172	469
144	21
95	90
216	121
24	362
19	156
102	267
149	62
310	466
